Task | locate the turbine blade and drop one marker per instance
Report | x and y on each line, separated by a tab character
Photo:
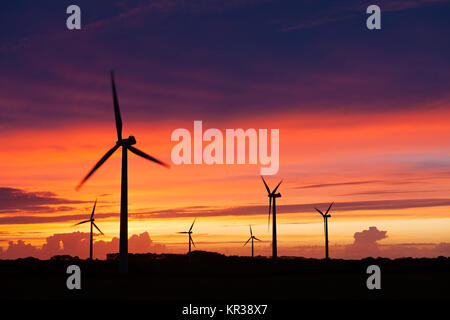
256	239
102	160
93	209
146	156
329	208
267	187
116	109
76	224
275	190
97	228
251	232
319	211
247	241
190	229
183	232
192	241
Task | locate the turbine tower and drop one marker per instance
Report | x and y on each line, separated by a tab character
91	220
126	145
272	202
325	219
252	237
189	232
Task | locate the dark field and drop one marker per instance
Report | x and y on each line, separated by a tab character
215	277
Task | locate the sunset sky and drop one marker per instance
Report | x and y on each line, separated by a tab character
364	119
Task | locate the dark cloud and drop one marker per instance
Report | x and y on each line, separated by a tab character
195	60
26	219
342	10
378	192
338	184
296	208
206	211
17	200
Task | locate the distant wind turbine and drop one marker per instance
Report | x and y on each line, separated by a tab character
91	220
272	197
126	144
252	237
325	219
190	241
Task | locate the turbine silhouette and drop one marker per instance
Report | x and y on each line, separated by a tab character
91	220
190	241
252	237
272	199
126	144
325	220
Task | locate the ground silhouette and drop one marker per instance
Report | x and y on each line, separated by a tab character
213	276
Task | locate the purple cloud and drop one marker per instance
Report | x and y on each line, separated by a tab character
17	200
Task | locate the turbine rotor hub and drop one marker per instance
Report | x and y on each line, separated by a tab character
275	195
131	140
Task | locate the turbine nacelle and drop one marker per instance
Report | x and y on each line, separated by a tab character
325	215
131	140
274	195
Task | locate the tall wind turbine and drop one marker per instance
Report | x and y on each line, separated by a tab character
325	219
272	203
252	237
91	220
190	241
126	144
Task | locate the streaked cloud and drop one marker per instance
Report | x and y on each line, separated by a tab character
299	208
385	192
207	211
337	184
209	78
346	10
18	200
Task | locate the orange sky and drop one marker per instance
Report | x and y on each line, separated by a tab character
364	157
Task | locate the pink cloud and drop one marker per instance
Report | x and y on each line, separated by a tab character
365	244
77	244
20	250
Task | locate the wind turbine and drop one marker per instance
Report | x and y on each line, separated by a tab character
189	232
91	220
325	218
272	199
252	237
126	144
